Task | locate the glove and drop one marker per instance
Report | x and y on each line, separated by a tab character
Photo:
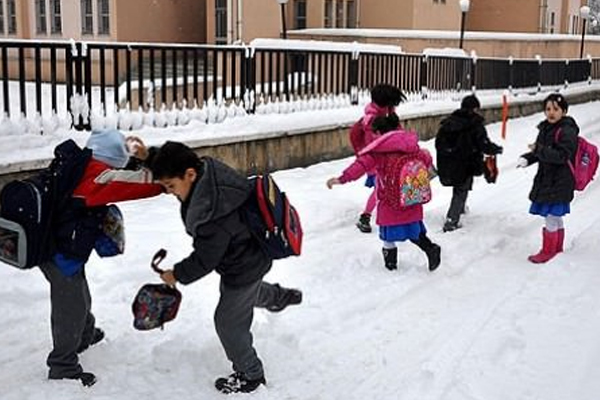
522	162
499	150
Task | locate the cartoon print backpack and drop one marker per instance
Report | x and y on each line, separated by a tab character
111	241
272	219
405	180
586	162
29	207
155	304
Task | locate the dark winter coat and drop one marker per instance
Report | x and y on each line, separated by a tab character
460	145
222	241
554	182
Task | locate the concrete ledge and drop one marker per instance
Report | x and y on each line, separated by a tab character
300	148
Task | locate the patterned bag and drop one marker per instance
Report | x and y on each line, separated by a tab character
405	180
155	304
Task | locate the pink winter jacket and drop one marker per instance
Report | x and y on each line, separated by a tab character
373	157
372	111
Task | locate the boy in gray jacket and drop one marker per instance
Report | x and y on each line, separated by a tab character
211	194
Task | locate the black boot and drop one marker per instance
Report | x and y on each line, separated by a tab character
390	256
432	250
364	223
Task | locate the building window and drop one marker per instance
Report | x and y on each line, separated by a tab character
339	14
350	14
552	22
87	18
55	17
328	20
103	17
221	21
40	17
12	17
1	17
300	14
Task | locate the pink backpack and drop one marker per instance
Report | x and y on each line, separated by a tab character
586	162
405	180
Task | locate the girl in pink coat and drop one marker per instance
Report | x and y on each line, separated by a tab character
384	99
395	224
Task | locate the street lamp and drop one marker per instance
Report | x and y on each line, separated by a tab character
584	12
464	8
282	3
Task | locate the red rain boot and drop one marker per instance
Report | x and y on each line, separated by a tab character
549	248
560	241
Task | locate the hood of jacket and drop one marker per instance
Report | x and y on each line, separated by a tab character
394	141
461	120
218	191
565	122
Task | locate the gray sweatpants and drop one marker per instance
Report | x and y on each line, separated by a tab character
71	320
459	200
233	319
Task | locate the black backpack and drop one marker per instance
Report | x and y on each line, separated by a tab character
453	154
29	207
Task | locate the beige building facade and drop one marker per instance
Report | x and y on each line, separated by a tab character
529	16
105	20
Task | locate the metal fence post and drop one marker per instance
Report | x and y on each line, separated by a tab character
353	76
566	84
249	80
539	74
423	76
511	74
473	75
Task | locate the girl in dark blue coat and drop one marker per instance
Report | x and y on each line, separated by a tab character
554	184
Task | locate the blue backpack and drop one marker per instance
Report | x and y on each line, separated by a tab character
272	219
29	207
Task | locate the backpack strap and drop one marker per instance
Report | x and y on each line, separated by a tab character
569	163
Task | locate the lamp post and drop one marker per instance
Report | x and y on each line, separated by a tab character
464	8
282	3
584	12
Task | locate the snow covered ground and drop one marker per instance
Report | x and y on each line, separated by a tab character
487	325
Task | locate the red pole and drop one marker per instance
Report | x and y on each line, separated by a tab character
504	115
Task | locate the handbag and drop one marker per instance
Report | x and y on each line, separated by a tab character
155	304
490	169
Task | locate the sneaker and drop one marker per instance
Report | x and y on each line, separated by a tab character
97	336
87	378
238	383
289	297
451	225
364	223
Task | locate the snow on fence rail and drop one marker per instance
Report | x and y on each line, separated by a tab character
49	83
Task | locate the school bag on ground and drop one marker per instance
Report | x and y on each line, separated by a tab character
155	304
405	180
272	219
586	162
29	207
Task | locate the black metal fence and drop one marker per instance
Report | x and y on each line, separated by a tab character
45	76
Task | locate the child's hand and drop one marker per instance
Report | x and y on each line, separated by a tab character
136	147
168	277
332	181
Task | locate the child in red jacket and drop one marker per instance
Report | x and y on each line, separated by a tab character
76	232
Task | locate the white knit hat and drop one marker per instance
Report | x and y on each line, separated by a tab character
109	147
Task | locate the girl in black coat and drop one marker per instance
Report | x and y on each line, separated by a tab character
554	184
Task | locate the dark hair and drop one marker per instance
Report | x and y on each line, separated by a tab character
470	103
172	160
385	95
386	124
559	99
